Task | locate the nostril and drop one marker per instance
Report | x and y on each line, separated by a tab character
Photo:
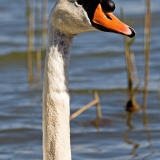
108	16
107	5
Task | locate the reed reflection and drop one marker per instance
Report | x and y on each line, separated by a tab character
127	133
146	129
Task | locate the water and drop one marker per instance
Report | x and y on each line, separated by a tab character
97	62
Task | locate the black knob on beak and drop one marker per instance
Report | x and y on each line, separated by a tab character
107	5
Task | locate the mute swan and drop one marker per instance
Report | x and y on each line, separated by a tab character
67	19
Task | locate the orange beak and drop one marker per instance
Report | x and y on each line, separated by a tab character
111	23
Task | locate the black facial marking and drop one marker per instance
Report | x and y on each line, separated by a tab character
80	2
90	7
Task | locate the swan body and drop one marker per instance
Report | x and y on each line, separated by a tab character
67	19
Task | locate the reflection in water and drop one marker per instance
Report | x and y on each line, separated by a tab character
97	123
147	131
146	122
126	135
101	122
136	145
144	107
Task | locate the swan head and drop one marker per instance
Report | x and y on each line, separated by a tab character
77	16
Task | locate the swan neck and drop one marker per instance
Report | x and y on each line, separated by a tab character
56	111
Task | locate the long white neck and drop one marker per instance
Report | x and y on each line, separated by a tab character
56	110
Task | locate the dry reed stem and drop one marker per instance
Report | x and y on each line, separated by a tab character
147	38
30	35
134	69
38	65
98	107
44	22
131	105
38	52
128	60
84	108
128	66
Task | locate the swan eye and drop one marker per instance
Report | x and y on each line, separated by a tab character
108	5
80	2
